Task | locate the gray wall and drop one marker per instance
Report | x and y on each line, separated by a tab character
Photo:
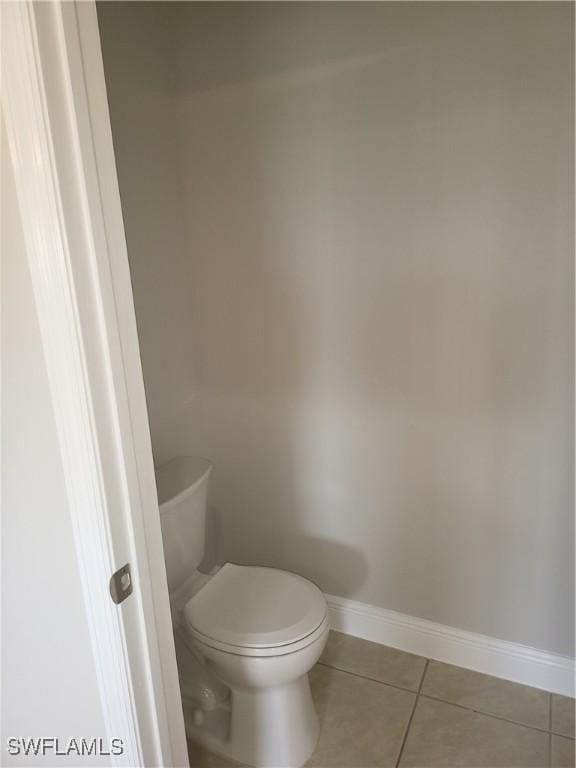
377	260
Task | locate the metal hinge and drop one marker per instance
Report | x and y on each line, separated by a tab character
121	584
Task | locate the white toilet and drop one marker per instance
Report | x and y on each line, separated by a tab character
257	631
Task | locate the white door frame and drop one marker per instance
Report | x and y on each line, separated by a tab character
58	128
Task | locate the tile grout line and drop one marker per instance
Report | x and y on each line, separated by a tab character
400	753
442	701
366	677
486	714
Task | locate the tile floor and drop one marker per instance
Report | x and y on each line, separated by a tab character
383	708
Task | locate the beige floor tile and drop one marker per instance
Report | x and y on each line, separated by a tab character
362	723
487	694
373	660
201	758
562	753
445	736
563	715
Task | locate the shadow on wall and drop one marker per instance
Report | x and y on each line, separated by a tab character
313	558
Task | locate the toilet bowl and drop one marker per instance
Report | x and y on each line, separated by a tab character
261	630
258	630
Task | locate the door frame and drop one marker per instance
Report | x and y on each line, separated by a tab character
57	123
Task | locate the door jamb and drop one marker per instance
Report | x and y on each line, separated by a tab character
58	128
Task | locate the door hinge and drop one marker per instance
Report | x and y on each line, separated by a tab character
121	584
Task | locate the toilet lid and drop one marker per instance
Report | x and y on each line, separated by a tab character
255	607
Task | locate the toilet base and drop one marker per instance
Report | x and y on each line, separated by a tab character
274	727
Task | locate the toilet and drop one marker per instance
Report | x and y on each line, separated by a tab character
246	637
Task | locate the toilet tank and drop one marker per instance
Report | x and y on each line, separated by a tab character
182	485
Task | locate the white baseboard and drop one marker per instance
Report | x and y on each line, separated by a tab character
500	658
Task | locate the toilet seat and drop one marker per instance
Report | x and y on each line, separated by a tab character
256	611
260	653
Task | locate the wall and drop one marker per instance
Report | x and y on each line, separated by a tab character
49	685
138	54
378	268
